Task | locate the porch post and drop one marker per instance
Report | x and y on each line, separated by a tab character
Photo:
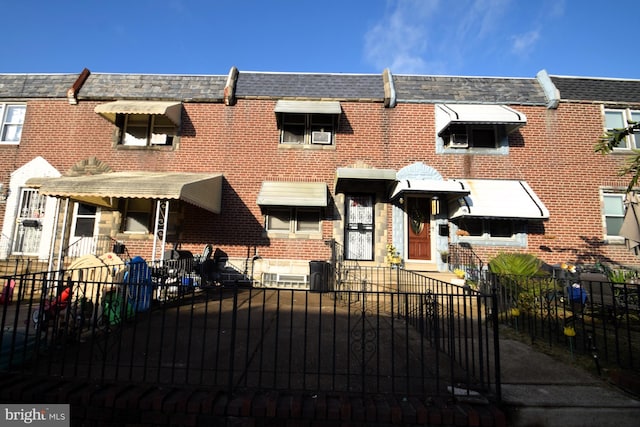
63	231
160	227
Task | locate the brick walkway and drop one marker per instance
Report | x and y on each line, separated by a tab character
122	404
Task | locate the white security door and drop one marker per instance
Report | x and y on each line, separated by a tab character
28	231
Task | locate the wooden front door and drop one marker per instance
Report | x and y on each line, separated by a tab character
418	228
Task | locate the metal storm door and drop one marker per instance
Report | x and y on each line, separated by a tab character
28	231
359	228
418	228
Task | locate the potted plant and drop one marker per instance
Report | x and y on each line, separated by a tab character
444	256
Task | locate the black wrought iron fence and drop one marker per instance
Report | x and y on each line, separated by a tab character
596	318
116	324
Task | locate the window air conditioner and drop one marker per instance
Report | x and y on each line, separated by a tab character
318	137
459	140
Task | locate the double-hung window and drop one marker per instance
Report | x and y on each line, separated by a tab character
620	119
143	130
143	123
613	214
293	220
307	129
308	123
11	121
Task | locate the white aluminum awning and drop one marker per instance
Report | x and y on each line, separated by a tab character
428	186
202	190
450	114
286	193
352	178
171	110
308	107
498	199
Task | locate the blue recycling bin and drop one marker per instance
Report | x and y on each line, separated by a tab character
137	280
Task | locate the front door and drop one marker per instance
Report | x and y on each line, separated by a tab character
83	229
418	228
28	231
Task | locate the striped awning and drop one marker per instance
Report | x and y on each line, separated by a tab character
490	198
308	107
450	114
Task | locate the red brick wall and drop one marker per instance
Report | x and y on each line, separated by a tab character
553	153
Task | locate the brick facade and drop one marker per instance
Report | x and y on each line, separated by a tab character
553	153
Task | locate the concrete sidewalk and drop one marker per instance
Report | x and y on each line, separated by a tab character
538	390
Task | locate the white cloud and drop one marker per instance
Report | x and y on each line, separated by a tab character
523	43
400	39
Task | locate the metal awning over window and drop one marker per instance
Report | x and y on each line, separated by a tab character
498	199
282	193
171	110
355	178
202	190
470	114
308	107
428	186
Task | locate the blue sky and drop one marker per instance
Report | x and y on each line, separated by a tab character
511	38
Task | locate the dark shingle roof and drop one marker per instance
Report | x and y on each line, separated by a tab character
311	86
153	87
468	90
16	86
597	89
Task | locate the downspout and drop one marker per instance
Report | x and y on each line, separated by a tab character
72	92
551	92
389	89
230	87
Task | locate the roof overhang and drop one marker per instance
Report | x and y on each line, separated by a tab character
202	190
470	114
452	189
510	199
284	193
353	179
308	107
171	110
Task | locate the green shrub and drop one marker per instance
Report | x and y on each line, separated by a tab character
516	264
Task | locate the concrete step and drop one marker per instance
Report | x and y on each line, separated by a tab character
568	405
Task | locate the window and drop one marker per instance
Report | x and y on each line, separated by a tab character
293	220
85	220
298	128
613	210
472	136
490	228
11	120
143	130
139	216
619	119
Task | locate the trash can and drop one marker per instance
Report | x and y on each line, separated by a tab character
318	276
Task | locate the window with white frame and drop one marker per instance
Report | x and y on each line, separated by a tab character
293	220
474	136
299	129
620	119
613	213
11	121
484	228
145	130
